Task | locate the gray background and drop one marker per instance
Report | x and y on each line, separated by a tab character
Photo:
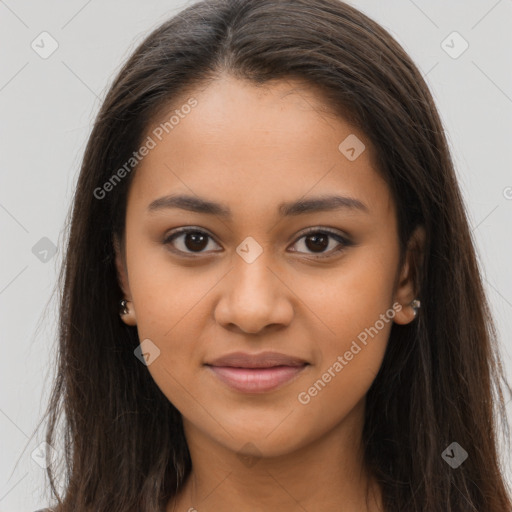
46	110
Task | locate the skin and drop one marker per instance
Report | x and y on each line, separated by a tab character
251	148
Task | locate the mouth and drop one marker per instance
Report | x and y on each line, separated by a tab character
259	373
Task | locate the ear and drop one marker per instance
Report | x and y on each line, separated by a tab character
122	278
409	278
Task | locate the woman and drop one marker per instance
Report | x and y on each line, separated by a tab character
271	299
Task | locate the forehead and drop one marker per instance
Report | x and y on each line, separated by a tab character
252	144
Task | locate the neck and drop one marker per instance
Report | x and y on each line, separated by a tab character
327	474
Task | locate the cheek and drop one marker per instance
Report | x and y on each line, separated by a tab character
164	293
354	295
356	313
350	354
340	385
165	299
349	358
173	311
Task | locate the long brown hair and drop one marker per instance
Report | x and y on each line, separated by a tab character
441	380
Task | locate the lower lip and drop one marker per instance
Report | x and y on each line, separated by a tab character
256	380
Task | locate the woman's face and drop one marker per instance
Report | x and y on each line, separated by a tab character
250	278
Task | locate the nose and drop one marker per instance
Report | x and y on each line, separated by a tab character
254	297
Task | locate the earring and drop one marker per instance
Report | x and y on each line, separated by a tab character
415	304
124	307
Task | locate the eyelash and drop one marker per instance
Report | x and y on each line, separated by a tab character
345	242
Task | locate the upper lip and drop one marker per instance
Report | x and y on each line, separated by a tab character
261	360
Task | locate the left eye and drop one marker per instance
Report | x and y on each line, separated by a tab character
316	240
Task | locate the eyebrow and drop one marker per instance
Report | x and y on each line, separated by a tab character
286	209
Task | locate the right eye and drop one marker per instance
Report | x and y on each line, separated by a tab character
189	240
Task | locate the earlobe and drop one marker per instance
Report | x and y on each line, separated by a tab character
126	308
127	312
408	283
407	313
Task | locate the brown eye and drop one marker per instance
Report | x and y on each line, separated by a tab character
320	243
317	241
188	241
195	241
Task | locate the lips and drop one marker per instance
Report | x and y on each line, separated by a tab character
256	373
262	360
